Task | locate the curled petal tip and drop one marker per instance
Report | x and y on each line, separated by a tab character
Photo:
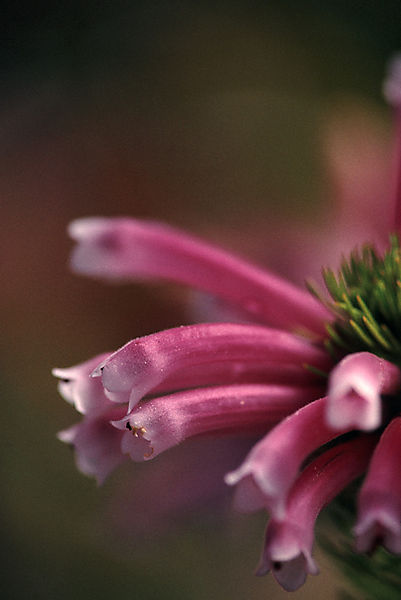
65	435
86	227
99	250
287	553
98	370
355	411
59	373
291	574
232	478
121	423
76	386
378	529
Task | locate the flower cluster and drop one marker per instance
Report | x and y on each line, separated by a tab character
316	379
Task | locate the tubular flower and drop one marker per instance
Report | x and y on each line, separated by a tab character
379	520
288	542
314	378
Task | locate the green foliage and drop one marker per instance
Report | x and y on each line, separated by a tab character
366	303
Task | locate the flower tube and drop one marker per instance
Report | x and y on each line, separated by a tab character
379	503
123	248
224	373
288	543
144	363
160	423
265	477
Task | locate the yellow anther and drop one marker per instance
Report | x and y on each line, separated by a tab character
138	431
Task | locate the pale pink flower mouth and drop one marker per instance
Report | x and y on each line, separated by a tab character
276	377
356	386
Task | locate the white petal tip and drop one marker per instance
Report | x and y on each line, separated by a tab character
232	478
65	436
61	373
97	372
338	423
85	227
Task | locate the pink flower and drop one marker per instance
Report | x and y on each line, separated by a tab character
298	373
379	518
288	542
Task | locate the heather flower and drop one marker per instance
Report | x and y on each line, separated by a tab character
379	503
313	377
288	542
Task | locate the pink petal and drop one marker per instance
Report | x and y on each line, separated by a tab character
123	248
379	504
164	422
288	554
392	92
97	445
273	464
144	363
239	372
355	388
289	542
392	83
78	388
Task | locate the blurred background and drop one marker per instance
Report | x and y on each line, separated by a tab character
245	122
